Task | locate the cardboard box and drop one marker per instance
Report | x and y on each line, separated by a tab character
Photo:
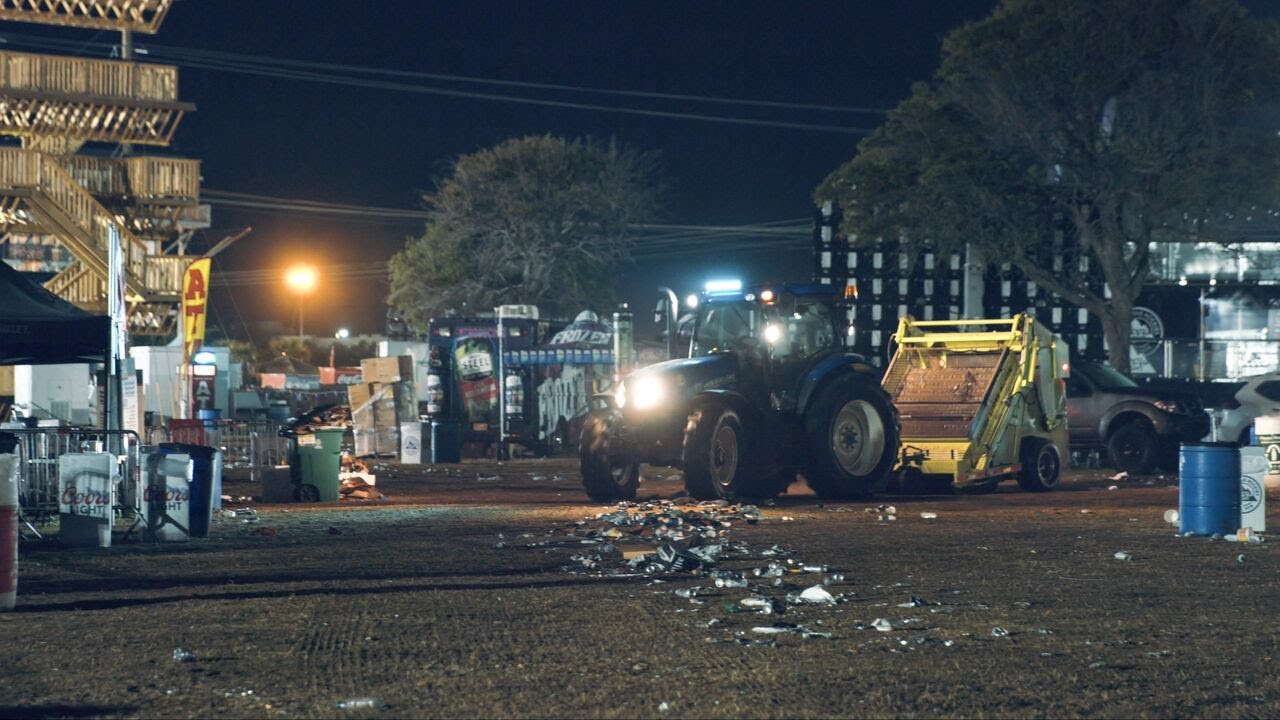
406	401
359	395
384	410
387	369
376	441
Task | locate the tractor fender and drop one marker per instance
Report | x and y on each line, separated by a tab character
828	370
749	414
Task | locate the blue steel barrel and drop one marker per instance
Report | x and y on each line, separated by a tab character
1209	489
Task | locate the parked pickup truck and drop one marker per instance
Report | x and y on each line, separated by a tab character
1140	428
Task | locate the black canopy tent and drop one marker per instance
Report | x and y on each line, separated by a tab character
40	328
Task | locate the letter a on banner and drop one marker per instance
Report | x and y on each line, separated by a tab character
195	296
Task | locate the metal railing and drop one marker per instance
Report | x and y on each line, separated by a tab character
1213	359
38	450
117	79
251	444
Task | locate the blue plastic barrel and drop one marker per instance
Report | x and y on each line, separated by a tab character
1209	489
446	441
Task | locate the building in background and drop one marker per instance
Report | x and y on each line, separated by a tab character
1209	311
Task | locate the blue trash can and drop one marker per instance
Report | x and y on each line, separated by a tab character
206	481
1209	489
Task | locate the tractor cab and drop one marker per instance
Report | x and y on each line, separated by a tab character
776	333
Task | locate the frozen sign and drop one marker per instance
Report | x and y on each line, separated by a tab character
586	329
86	483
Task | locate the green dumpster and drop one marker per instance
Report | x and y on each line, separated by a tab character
314	464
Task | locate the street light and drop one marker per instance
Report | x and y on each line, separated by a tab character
342	334
301	279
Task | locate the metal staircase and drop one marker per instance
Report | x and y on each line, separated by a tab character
142	16
55	105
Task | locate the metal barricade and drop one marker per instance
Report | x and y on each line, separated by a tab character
38	450
245	444
253	444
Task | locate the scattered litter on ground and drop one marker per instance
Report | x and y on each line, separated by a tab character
998	631
817	595
184	655
1122	475
359	486
929	515
780	628
361	703
1172	516
1122	555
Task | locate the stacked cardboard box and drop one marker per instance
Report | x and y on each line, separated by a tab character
385	399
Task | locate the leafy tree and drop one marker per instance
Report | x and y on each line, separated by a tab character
1082	129
536	220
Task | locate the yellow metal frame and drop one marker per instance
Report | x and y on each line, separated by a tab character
1004	417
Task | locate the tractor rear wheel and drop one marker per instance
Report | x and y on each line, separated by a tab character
852	435
714	456
606	474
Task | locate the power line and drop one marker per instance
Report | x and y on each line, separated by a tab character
308	76
183	53
790	227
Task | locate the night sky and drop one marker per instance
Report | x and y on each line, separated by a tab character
363	145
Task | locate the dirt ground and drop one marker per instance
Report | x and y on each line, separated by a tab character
459	595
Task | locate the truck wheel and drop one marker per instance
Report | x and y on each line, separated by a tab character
606	476
714	464
1041	465
1133	447
852	434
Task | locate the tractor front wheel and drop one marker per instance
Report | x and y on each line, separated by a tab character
714	461
607	475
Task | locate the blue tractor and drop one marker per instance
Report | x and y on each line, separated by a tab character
767	390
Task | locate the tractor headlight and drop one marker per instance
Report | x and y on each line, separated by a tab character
772	333
648	392
1169	406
